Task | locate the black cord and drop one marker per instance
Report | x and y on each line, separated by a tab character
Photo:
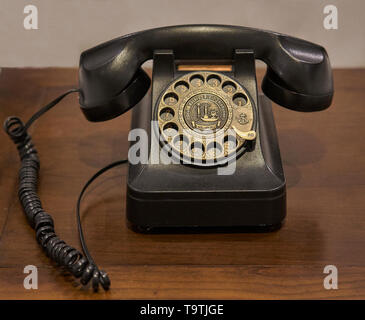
97	174
47	107
41	221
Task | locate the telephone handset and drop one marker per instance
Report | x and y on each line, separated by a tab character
298	74
206	114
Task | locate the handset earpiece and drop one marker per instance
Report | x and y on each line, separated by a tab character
102	107
308	89
279	92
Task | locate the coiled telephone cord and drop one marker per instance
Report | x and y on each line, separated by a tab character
81	266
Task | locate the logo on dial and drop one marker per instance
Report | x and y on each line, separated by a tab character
205	112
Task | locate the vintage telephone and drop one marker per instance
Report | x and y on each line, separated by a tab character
207	117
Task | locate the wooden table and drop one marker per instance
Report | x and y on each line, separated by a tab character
324	160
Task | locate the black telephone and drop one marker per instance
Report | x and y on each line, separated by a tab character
213	161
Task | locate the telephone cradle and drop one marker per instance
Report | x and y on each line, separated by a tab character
204	154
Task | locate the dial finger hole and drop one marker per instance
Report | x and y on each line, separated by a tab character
181	142
214	149
181	87
239	99
197	149
229	87
166	114
171	99
170	129
214	80
197	80
230	143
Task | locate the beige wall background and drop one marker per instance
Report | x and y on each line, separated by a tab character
67	27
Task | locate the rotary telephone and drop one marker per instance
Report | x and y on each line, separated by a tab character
204	154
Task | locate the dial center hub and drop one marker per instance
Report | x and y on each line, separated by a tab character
205	112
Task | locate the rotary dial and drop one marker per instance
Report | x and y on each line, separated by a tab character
206	117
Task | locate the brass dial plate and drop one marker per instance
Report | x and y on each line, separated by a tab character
205	116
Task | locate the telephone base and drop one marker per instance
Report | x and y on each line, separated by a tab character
179	198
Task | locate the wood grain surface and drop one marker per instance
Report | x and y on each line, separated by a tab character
324	161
